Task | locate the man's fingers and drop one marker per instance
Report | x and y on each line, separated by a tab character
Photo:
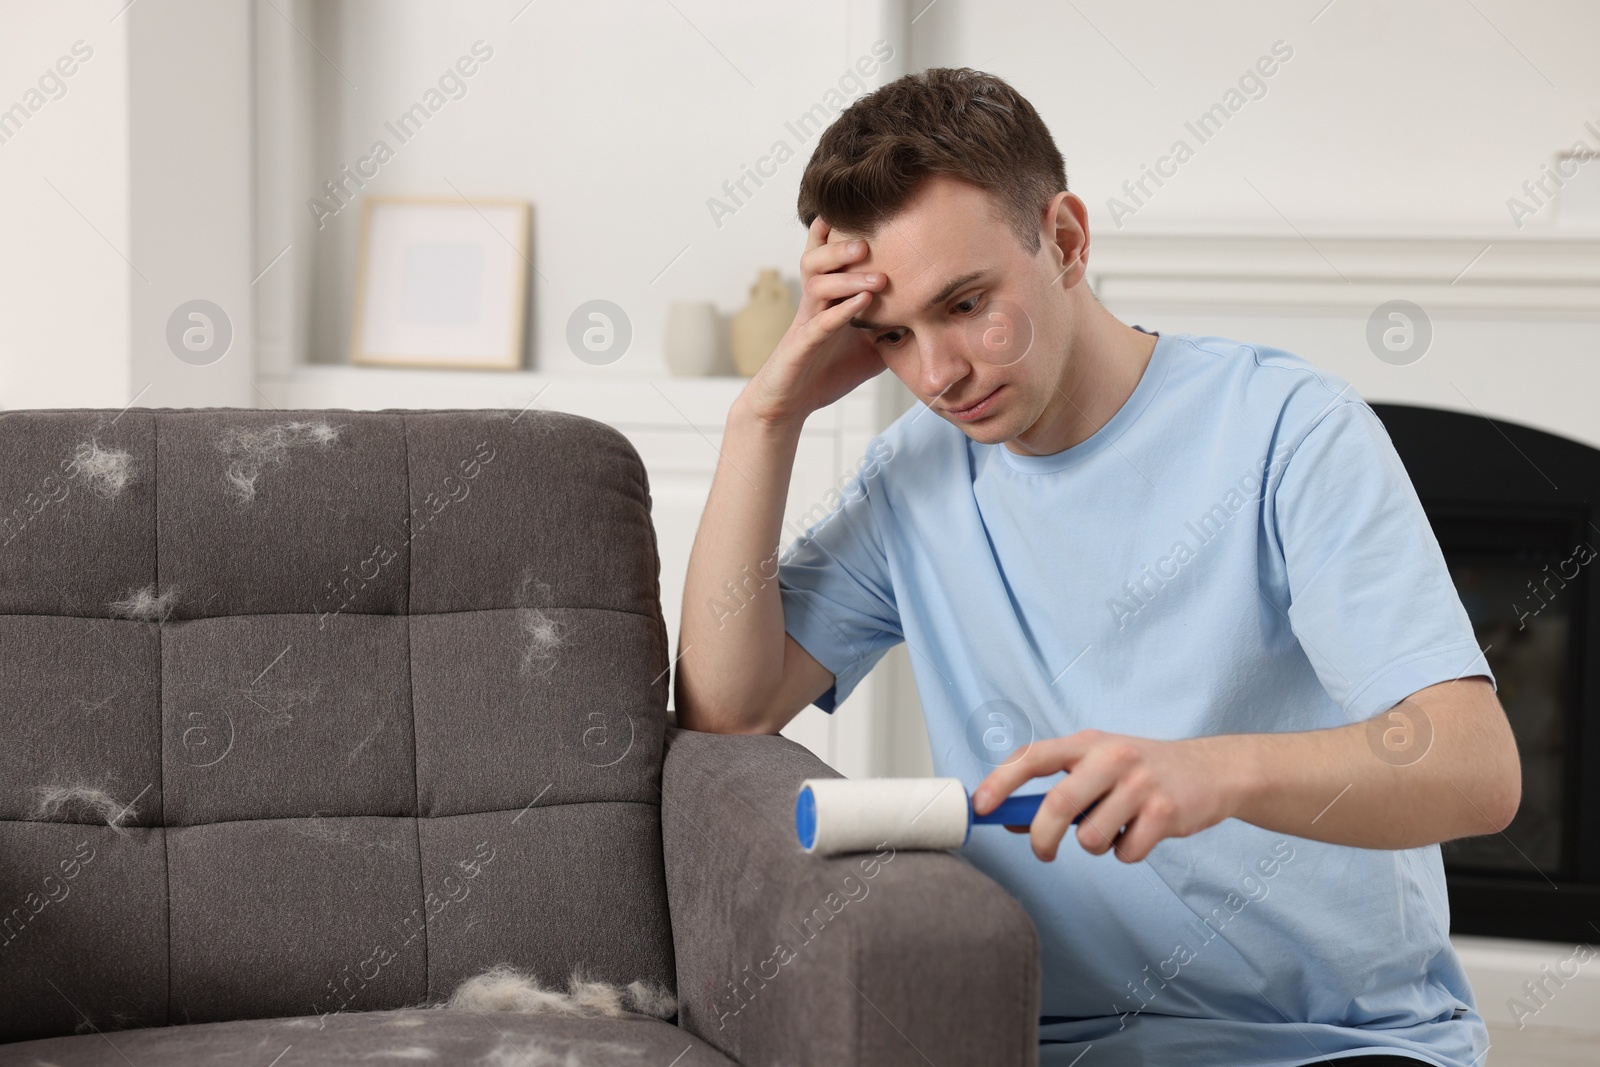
1004	779
1064	802
826	288
1137	840
825	322
816	233
1037	760
1096	779
1098	829
829	257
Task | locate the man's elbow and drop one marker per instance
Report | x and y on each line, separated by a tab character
1495	793
1506	798
714	721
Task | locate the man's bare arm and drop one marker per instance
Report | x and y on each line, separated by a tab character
739	672
1450	770
1439	765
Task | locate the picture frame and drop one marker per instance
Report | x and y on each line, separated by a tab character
441	283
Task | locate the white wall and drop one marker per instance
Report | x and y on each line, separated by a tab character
126	197
1388	115
190	179
618	120
64	281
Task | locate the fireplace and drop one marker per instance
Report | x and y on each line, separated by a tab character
1514	510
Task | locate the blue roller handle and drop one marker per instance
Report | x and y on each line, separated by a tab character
1018	810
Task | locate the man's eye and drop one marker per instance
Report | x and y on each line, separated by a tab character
969	306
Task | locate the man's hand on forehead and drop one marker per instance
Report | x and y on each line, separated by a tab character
835	236
841	237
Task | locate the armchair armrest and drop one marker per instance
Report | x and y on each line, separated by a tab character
883	958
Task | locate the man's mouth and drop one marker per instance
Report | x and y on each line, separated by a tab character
976	409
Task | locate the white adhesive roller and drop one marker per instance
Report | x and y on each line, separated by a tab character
833	815
859	815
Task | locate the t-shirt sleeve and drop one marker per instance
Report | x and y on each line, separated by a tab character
1371	598
838	599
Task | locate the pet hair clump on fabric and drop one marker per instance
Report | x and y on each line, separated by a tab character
543	632
329	832
504	988
106	471
544	637
650	999
59	803
250	450
143	605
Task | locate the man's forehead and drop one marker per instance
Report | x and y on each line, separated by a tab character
910	247
904	259
933	288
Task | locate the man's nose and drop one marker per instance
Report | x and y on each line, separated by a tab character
944	361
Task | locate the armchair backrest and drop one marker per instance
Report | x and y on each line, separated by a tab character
303	711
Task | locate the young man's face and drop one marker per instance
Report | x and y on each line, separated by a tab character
966	311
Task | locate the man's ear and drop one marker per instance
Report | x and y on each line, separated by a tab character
1065	226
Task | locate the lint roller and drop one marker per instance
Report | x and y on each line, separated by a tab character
833	815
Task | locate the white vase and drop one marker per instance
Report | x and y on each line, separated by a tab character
690	344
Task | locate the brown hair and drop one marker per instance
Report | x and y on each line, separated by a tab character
945	120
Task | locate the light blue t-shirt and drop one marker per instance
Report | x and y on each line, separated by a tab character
1237	550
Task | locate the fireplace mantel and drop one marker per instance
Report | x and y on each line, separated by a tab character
1556	274
1514	321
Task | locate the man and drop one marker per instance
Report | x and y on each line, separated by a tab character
1189	571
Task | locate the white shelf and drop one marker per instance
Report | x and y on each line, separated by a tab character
625	400
1548	275
618	399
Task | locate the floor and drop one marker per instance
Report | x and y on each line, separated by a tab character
1542	1046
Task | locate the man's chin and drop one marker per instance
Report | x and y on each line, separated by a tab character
987	431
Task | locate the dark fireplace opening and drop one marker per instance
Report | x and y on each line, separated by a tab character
1520	579
1513	509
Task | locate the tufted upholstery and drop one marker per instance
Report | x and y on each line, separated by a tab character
344	723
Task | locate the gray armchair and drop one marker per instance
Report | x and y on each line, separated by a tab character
305	717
